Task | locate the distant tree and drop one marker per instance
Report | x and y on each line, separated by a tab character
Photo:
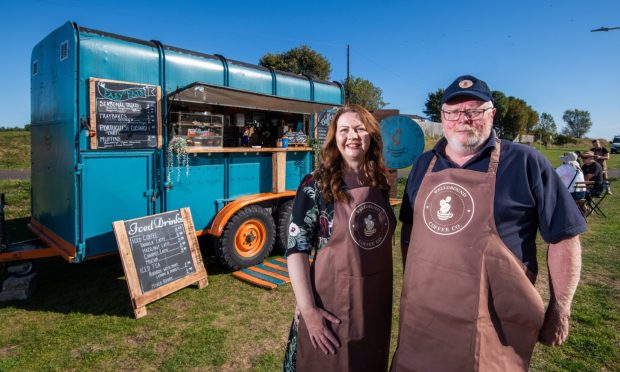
433	105
300	60
532	121
513	116
27	127
546	127
578	123
364	93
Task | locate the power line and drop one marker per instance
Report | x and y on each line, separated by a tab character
605	29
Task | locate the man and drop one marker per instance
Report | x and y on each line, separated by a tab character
601	155
471	212
592	171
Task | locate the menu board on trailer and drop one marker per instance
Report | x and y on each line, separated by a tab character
322	125
160	255
124	115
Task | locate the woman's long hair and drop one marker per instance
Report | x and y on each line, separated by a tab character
329	174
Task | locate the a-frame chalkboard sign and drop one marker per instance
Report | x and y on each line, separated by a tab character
160	255
124	115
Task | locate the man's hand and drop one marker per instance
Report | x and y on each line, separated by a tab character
555	328
320	334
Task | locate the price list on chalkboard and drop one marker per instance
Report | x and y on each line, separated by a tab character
125	115
160	249
323	125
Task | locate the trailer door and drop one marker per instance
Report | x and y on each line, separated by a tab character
114	186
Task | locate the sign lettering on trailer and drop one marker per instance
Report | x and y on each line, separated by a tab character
124	115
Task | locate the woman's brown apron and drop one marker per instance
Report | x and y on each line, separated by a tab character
352	279
467	303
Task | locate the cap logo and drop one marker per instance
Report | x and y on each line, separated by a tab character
465	83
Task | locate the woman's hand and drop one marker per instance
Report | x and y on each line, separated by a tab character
320	334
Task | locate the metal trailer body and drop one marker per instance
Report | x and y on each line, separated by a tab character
78	192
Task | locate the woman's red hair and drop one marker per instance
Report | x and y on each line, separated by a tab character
329	174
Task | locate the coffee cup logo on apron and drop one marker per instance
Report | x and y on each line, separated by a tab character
448	209
369	225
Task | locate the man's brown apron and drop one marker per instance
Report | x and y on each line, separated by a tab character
467	303
352	279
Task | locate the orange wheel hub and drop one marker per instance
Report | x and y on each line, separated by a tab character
250	238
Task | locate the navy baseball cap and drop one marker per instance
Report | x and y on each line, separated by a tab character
467	85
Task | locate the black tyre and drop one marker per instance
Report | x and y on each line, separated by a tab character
284	219
247	239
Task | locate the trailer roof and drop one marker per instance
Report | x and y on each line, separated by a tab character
216	95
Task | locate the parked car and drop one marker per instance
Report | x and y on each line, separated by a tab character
615	145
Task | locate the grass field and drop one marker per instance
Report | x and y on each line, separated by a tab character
81	318
14	150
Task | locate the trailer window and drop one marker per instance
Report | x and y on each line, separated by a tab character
64	50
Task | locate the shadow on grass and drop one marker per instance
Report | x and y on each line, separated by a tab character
96	287
17	229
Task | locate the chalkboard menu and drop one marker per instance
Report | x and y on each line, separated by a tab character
160	255
322	125
124	115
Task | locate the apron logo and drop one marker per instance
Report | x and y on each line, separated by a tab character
368	225
448	209
444	209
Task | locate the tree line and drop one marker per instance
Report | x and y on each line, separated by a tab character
15	128
514	115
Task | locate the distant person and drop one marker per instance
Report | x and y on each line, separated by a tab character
579	158
570	173
601	155
342	213
472	209
592	171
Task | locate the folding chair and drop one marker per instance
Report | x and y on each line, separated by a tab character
583	203
593	201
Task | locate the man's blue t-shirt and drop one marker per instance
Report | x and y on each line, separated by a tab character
529	196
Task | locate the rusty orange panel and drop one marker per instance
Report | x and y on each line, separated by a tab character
29	254
217	227
64	248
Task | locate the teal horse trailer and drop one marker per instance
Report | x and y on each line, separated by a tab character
123	128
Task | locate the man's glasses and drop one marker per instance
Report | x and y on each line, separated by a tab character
469	114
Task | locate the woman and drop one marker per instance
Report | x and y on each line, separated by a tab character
571	173
342	214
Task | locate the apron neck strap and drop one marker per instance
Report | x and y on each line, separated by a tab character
494	161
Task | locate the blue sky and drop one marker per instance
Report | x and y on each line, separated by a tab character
539	50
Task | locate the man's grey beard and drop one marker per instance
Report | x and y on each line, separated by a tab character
472	145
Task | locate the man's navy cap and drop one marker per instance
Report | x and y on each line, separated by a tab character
467	85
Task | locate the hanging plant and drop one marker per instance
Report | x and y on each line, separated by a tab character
176	155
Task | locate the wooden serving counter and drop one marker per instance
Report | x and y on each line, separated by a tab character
205	149
278	159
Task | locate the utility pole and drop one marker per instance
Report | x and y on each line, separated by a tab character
348	83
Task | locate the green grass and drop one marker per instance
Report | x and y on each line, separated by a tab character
14	150
553	153
81	317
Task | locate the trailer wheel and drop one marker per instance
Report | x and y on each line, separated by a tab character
247	239
284	220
